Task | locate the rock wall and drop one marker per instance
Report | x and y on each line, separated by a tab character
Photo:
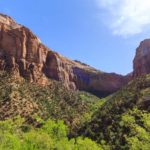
23	52
141	63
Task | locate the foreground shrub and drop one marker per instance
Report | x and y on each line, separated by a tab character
51	136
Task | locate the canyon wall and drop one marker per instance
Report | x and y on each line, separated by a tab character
141	63
22	52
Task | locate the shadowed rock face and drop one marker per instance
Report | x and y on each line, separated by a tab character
141	63
21	51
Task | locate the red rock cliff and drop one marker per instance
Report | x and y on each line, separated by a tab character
21	51
141	63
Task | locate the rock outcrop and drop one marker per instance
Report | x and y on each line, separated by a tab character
141	63
21	51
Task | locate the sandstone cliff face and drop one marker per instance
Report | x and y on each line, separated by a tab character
22	52
141	63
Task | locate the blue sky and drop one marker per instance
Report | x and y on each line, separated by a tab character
101	33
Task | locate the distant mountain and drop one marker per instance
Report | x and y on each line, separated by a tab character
21	51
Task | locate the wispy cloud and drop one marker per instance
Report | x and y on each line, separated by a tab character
126	17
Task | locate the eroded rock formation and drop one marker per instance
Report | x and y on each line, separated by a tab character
23	52
141	63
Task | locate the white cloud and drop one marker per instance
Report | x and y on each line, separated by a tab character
126	17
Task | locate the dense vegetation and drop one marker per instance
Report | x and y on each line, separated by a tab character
118	122
16	135
123	122
54	101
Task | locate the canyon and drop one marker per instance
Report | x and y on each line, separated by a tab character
22	53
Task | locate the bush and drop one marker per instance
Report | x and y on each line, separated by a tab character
51	136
